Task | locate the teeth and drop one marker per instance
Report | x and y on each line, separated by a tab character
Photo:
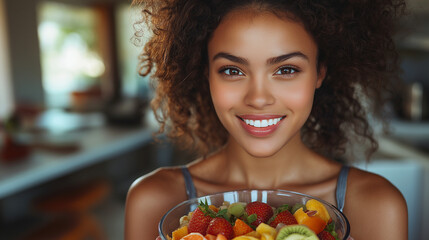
263	122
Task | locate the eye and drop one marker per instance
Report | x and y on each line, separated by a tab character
231	71
286	70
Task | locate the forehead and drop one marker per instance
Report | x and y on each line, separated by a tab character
250	34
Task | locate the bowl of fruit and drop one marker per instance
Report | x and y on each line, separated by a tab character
254	215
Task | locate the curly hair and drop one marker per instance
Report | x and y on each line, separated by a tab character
355	43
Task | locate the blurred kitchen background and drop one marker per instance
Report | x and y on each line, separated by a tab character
76	129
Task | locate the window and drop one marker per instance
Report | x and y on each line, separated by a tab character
70	57
133	85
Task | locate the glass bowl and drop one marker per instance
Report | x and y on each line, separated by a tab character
275	198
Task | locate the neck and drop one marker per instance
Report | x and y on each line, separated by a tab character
286	165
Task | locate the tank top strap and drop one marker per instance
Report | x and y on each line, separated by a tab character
340	192
189	184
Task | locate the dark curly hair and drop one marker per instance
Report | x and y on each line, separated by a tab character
354	39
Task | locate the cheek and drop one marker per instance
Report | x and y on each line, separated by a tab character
299	97
224	95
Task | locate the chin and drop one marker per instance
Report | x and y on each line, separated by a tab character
262	152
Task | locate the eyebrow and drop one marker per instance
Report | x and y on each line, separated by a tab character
231	58
270	61
281	58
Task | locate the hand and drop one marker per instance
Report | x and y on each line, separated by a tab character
158	238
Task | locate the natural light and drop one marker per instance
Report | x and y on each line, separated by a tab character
70	60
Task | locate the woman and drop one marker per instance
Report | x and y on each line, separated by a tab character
269	93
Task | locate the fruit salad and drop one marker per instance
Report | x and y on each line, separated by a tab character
257	221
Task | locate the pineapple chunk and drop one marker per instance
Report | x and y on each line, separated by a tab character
265	228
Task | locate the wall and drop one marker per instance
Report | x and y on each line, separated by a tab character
420	6
6	102
25	65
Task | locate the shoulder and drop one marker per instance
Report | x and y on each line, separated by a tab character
374	204
149	198
156	182
370	186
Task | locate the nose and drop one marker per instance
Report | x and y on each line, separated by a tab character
259	93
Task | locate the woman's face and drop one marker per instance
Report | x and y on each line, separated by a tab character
263	75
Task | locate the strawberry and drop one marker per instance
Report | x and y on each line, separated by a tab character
221	226
199	222
284	217
262	210
325	235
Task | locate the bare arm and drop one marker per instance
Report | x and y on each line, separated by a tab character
376	209
149	198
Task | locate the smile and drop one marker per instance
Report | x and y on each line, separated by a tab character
262	123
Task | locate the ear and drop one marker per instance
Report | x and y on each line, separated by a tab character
321	74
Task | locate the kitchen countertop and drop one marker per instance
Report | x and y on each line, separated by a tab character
95	144
98	142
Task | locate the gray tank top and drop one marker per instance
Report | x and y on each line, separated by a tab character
340	192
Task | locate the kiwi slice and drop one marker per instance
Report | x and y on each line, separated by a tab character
296	232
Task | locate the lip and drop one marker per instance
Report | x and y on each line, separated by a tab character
259	116
260	131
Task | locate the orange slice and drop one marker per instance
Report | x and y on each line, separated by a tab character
180	233
210	237
241	228
321	211
194	236
214	208
314	222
